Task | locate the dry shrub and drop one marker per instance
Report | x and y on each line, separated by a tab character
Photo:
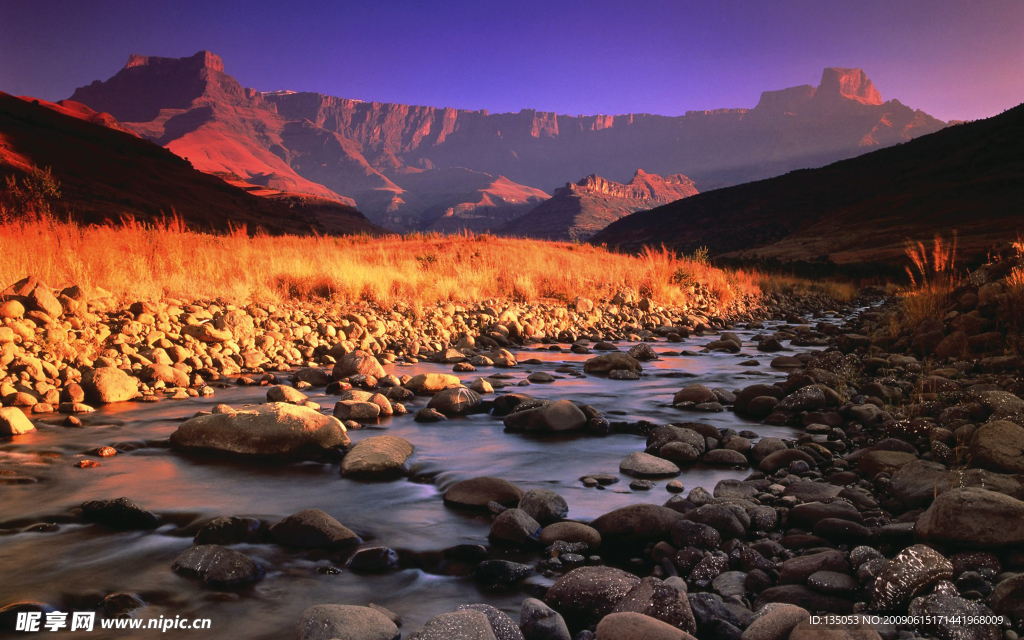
134	260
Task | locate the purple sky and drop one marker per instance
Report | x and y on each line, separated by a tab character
952	58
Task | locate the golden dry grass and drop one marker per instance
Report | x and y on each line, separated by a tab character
134	261
933	277
840	291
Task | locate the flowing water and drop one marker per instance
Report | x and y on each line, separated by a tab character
73	565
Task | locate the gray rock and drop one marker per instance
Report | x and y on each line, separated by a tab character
585	595
477	492
466	624
544	506
943	617
561	415
345	622
661	601
503	627
644	465
218	567
540	622
515	526
998	446
313	528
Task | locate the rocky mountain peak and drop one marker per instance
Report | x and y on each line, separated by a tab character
852	84
202	60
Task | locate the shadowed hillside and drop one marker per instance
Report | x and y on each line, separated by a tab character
968	178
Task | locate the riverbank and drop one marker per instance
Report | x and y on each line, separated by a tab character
873	463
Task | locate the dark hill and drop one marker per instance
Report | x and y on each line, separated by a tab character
968	178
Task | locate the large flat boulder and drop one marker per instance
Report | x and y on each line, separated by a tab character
274	429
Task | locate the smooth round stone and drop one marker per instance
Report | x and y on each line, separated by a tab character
644	465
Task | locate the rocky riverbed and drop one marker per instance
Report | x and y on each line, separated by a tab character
614	470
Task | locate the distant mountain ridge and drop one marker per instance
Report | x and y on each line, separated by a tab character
579	210
967	178
380	155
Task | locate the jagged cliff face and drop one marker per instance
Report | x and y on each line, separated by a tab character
367	151
579	210
644	187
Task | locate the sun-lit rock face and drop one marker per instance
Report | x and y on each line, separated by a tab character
852	84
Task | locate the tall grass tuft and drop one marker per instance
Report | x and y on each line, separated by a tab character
933	277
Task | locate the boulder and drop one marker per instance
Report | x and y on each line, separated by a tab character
106	385
466	624
218	567
515	526
538	621
585	595
358	362
775	621
477	492
432	382
122	514
165	373
614	361
653	597
907	575
974	518
503	627
455	401
283	393
693	394
644	465
998	446
561	415
13	422
570	532
636	626
636	524
377	457
275	429
345	622
356	410
313	528
544	506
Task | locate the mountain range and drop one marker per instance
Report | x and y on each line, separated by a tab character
967	178
579	210
106	173
410	167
